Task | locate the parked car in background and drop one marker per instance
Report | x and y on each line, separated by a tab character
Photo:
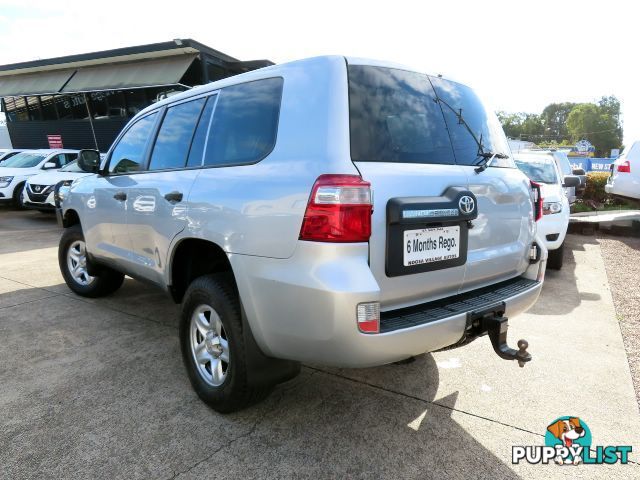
543	170
624	180
564	165
39	189
250	201
15	171
6	153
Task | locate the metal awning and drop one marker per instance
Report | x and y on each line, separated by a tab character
34	83
117	76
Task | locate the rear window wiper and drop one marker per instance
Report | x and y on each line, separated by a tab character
486	157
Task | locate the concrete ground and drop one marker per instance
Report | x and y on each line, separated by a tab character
96	388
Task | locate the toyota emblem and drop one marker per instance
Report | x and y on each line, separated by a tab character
466	205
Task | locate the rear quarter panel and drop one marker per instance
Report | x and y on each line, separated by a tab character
258	209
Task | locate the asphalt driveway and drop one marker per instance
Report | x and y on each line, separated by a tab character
96	388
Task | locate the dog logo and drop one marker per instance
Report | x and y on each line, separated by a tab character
567	441
466	204
567	430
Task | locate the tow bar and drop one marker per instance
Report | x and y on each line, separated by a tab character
492	321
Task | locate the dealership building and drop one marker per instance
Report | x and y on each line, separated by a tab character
83	101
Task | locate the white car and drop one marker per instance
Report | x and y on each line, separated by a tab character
553	225
39	190
625	174
15	171
561	160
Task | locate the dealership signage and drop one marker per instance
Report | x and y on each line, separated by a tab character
592	164
55	141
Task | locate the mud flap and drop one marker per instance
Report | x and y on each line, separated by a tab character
492	321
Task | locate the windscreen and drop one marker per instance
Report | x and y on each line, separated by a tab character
461	101
394	118
23	160
541	171
402	116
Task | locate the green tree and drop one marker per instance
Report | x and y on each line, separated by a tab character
525	126
600	124
554	118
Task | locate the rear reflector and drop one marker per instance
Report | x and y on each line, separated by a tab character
625	167
369	317
537	200
339	210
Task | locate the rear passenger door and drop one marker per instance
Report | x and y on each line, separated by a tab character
157	200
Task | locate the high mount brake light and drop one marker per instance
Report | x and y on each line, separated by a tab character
338	210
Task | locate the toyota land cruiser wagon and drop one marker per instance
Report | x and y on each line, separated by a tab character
334	210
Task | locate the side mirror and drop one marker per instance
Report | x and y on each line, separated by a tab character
571	181
578	171
49	165
89	161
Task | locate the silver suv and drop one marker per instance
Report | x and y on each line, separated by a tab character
338	211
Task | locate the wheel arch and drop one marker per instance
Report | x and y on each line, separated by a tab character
191	258
70	218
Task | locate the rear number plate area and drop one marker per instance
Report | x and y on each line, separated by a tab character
429	245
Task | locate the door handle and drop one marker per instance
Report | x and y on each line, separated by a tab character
173	197
122	196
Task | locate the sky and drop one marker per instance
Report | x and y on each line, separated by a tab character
519	55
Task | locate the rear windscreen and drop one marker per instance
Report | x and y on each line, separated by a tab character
402	116
394	118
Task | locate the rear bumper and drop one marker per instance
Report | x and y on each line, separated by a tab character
623	185
304	308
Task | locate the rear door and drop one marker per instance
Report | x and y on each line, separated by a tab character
503	230
399	143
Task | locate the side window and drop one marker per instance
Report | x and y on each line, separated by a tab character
67	158
129	152
61	159
199	139
245	123
174	138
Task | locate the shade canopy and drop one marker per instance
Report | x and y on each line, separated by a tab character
39	83
148	73
112	76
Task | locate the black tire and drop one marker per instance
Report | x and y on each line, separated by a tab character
554	262
103	283
218	292
17	196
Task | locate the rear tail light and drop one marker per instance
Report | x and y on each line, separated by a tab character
537	200
368	316
624	167
339	210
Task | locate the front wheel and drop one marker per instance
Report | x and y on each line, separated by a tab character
18	201
555	260
72	258
213	346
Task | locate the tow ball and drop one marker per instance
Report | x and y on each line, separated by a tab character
495	324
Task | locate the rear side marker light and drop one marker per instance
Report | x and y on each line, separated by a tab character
339	210
537	200
625	167
368	317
